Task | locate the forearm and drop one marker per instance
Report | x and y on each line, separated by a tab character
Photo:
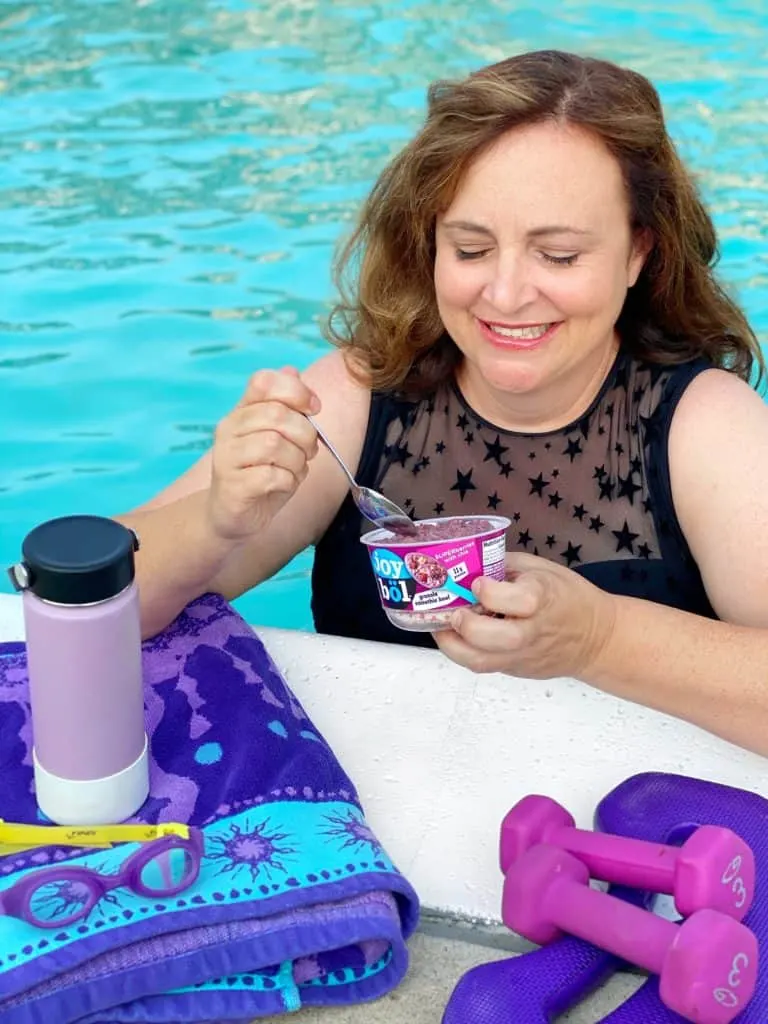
710	673
179	557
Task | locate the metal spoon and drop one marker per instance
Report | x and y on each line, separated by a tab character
374	506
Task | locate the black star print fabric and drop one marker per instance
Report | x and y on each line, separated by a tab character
594	496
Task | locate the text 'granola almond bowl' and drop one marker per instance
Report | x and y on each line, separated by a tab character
423	579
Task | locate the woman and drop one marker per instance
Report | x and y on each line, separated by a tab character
535	328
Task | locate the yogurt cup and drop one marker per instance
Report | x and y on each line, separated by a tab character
422	580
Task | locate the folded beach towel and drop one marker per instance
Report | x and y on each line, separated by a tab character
296	903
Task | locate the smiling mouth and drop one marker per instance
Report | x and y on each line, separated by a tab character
531	332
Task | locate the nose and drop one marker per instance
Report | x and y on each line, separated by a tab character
510	287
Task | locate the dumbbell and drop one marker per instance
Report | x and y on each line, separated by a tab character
714	869
707	965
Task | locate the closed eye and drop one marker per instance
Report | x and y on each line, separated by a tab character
560	261
470	254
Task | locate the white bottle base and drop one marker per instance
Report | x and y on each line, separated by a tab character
107	801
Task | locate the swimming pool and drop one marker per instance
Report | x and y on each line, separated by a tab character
174	175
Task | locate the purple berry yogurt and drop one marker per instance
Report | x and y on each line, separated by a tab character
422	580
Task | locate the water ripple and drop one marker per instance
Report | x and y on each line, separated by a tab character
174	176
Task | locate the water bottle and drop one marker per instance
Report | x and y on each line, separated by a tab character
81	618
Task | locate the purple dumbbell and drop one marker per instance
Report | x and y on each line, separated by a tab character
707	965
714	869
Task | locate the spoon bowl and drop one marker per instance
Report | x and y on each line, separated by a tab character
374	506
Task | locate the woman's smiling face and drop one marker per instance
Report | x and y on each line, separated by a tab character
534	257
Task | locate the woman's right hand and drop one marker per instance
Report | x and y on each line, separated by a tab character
261	453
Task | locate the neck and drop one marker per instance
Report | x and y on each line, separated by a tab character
560	402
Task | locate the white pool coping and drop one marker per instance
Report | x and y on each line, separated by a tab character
438	754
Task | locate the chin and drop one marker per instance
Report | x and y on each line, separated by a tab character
515	379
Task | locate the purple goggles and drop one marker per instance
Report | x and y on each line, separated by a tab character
58	896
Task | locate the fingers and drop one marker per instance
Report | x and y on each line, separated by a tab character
260	480
519	597
266	450
284	386
268	427
261	452
454	646
487	635
272	417
476	639
269	449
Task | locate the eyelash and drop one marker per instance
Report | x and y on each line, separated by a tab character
559	261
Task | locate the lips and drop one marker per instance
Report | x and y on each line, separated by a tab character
527	331
523	337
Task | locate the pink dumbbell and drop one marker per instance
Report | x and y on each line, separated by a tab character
714	869
707	965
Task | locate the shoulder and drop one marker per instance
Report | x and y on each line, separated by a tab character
333	373
346	394
343	393
345	401
716	410
718	441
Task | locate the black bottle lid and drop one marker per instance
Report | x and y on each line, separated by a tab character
76	560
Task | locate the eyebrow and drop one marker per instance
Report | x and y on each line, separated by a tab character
547	229
557	229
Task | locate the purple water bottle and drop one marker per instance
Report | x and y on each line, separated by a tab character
81	618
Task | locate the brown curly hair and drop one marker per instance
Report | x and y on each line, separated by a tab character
387	318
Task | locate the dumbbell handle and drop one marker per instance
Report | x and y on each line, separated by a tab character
714	868
637	936
634	862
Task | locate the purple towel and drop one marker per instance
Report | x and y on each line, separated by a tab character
296	904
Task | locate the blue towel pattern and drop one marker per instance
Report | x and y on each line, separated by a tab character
297	902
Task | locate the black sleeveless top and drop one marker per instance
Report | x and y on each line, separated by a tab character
594	495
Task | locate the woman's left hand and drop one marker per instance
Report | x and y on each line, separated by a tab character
543	621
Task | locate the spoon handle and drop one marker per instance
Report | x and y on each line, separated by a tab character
333	451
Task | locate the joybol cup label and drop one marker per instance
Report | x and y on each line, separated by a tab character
396	586
418	576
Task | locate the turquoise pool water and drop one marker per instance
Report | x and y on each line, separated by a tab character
174	174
